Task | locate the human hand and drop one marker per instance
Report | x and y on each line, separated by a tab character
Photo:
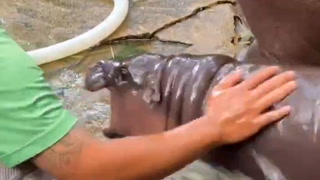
237	110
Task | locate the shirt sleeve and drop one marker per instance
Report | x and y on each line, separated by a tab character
32	117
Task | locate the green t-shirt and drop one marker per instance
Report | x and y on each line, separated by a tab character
32	117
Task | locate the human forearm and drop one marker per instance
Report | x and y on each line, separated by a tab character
148	157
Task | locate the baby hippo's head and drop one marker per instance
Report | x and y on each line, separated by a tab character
103	75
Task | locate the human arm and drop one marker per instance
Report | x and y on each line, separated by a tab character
234	113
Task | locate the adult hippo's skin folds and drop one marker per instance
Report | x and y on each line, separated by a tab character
152	93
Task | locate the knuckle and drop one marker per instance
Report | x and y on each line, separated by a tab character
255	106
252	95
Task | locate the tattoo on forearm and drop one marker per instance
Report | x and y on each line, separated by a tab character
68	148
66	151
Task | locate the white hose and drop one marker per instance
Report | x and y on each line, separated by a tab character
86	40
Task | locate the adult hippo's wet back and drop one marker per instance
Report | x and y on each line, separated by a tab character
152	93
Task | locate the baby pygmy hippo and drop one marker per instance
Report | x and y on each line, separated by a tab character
153	93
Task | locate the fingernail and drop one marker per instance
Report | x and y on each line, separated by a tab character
215	93
277	68
291	73
294	84
286	108
238	71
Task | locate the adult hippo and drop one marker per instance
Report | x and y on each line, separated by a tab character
152	93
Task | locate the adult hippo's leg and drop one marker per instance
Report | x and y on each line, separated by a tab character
287	31
286	34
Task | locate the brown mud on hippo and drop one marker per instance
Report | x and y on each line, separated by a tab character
152	93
